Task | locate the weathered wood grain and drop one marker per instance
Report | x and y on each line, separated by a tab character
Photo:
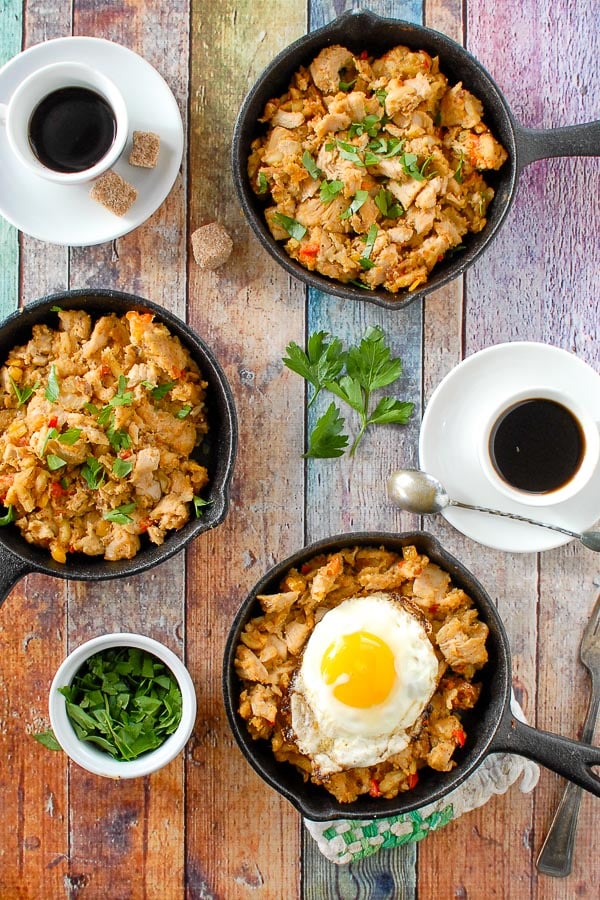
242	838
206	826
538	284
125	825
11	31
348	494
34	785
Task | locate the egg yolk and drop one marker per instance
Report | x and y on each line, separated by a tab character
361	666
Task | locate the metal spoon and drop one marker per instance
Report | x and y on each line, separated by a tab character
421	493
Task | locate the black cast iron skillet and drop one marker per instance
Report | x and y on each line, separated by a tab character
217	453
490	726
363	30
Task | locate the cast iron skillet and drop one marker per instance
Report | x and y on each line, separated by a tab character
490	727
365	31
17	557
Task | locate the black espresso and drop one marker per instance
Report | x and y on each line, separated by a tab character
71	129
537	445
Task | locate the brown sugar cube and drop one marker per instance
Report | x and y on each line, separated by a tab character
211	246
113	192
144	151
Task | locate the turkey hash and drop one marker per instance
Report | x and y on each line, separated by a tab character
371	167
358	670
98	421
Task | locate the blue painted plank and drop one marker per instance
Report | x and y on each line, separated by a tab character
337	491
11	32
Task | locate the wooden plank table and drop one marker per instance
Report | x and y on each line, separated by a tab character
205	826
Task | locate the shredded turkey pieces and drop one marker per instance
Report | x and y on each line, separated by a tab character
98	421
371	168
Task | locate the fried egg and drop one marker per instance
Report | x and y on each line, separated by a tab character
367	673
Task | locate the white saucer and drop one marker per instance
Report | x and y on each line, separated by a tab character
447	446
68	215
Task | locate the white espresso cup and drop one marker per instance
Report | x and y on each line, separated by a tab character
59	130
539	446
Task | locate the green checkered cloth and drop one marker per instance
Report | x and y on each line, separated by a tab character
347	840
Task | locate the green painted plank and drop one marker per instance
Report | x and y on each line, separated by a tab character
335	501
11	34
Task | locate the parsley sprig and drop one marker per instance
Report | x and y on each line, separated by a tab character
22	394
322	362
125	701
353	375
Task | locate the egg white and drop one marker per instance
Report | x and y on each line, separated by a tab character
336	736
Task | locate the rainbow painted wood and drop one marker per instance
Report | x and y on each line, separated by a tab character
205	826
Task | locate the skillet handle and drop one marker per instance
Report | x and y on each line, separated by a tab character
571	759
12	568
572	140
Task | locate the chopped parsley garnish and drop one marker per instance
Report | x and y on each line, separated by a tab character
120	515
386	148
50	435
159	391
458	174
22	394
311	166
52	392
365	260
293	228
93	472
122	468
119	440
124	701
263	184
55	462
350	152
123	397
385	202
370	125
183	412
70	436
330	190
346	85
411	167
360	198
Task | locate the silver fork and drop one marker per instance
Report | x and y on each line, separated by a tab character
556	856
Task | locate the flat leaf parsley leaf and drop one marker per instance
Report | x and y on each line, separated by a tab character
124	701
351	375
323	361
22	394
326	438
120	515
47	739
293	228
53	388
